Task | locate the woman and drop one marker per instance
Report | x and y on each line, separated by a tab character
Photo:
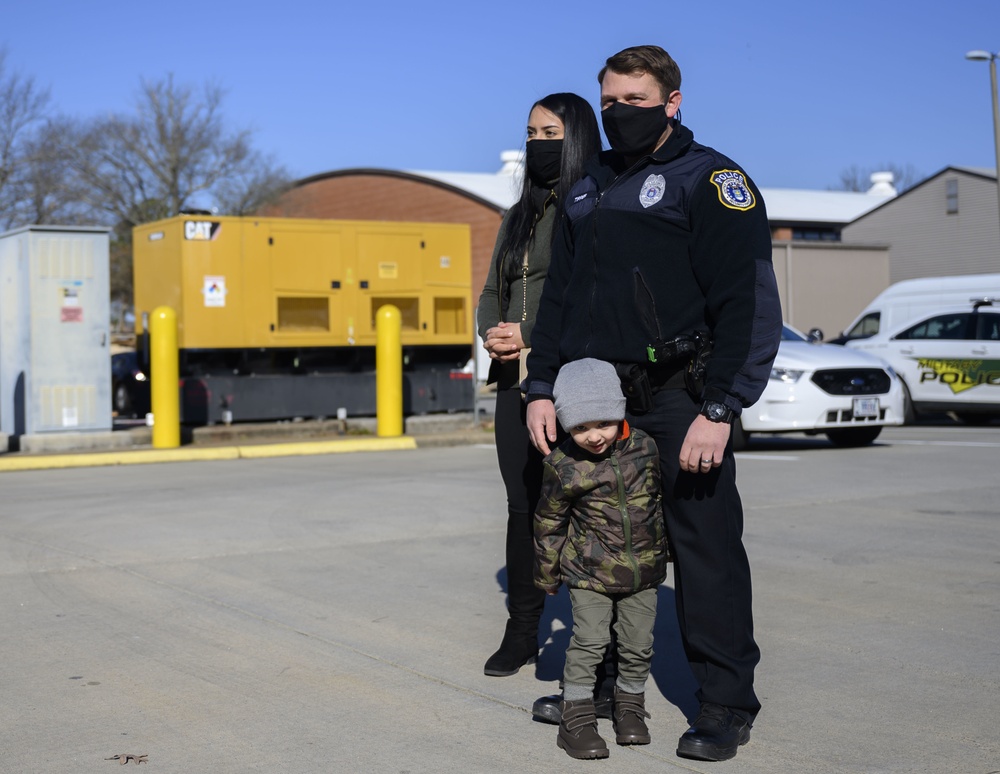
562	135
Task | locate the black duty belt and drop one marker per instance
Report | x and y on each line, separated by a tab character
666	377
640	382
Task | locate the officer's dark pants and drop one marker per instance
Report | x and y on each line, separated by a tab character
712	575
521	470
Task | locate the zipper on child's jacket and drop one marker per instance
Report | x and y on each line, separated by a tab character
626	521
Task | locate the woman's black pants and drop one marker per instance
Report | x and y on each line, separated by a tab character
521	470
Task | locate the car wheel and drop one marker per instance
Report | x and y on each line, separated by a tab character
853	436
122	401
976	420
909	412
740	436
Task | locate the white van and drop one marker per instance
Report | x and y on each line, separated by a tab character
948	360
903	301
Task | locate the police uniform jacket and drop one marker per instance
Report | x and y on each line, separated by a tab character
678	241
599	522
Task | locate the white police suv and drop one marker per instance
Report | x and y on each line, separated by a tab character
949	360
823	388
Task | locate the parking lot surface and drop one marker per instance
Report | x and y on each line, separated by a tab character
332	613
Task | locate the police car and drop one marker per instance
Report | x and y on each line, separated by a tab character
822	388
949	360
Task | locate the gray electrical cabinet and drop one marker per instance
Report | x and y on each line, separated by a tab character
55	366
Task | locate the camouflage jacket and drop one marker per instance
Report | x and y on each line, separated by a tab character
599	522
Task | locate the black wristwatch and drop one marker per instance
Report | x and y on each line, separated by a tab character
717	412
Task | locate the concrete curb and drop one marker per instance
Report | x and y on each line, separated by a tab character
190	454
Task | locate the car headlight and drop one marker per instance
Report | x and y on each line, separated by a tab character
140	376
786	375
891	371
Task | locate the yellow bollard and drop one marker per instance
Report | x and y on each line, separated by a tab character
389	371
164	378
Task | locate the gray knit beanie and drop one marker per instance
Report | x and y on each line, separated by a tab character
588	390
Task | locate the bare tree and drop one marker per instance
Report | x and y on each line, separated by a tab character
856	178
260	183
120	270
22	104
45	189
174	154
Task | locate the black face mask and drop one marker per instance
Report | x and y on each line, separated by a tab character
543	159
633	130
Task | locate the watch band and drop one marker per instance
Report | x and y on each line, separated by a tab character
717	412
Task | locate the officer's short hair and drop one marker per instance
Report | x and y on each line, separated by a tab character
646	59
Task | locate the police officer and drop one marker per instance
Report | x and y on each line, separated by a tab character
665	251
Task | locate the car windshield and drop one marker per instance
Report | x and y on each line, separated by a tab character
790	334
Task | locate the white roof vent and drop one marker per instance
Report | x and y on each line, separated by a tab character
882	184
513	162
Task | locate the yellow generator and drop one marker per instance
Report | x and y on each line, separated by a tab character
276	316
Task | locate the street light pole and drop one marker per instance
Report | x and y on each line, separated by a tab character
984	56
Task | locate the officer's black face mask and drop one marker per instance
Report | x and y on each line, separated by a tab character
634	130
543	159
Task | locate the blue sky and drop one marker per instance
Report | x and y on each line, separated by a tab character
795	91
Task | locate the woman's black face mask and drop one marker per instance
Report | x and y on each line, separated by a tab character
634	130
543	159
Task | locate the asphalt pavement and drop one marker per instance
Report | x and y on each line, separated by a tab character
324	612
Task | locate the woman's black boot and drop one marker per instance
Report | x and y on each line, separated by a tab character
517	649
525	601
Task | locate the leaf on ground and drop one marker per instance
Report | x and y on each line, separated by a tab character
124	758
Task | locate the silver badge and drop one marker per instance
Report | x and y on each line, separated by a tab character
652	190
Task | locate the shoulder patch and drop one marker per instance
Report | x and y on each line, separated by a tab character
734	192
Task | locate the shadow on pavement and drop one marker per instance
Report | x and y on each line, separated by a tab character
669	669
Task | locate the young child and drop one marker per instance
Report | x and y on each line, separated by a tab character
599	529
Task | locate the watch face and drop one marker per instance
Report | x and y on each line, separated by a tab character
717	412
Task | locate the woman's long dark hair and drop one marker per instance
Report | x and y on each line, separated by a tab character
581	141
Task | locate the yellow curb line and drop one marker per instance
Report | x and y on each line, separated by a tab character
326	447
149	456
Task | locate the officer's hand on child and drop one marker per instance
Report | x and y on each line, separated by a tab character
541	422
